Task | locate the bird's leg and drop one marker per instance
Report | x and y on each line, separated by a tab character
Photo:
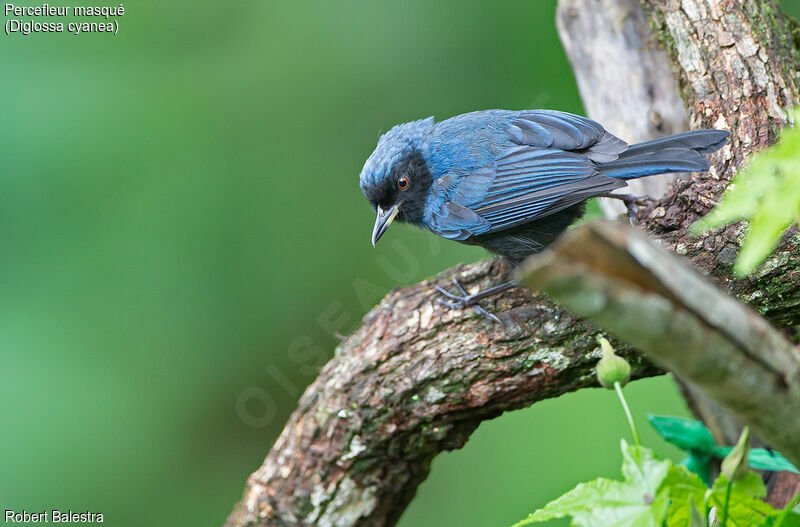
465	300
628	200
632	203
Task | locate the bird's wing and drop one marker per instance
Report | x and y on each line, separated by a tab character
565	131
554	181
453	220
552	168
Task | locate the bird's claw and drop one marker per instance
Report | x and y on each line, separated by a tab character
451	305
464	300
634	203
639	201
457	301
488	316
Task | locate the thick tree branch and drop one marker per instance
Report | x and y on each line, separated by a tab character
416	379
619	279
613	52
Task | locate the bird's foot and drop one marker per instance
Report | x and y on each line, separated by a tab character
632	203
463	300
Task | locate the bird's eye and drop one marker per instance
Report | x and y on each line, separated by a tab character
403	183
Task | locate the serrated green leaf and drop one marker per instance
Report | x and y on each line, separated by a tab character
602	503
746	507
767	194
634	502
584	497
792	519
686	434
685	490
761	459
689	435
751	485
640	467
768	223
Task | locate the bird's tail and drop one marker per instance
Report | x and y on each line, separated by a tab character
676	153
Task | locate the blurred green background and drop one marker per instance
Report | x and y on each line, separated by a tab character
182	234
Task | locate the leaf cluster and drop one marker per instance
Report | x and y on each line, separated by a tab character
693	437
655	493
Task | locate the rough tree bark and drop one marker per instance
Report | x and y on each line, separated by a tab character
613	52
415	380
624	78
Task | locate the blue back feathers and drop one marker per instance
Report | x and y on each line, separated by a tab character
491	170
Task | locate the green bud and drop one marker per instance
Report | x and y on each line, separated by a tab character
612	368
734	466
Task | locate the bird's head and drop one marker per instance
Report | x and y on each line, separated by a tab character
396	179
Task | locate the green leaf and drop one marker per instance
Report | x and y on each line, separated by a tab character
634	502
584	497
604	503
742	197
784	518
746	508
761	459
750	485
767	194
686	434
640	467
699	464
768	223
685	490
689	435
789	516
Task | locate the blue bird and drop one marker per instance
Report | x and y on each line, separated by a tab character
511	181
